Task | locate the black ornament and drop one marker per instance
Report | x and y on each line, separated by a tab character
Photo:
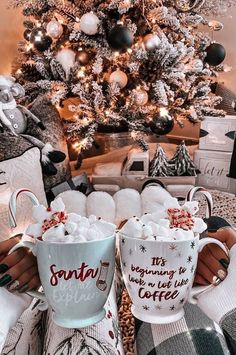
120	38
161	124
43	44
27	35
36	33
215	54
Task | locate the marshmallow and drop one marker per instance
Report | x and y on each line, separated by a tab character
71	227
57	205
73	217
34	230
133	228
147	232
199	225
128	204
56	234
153	197
101	205
40	213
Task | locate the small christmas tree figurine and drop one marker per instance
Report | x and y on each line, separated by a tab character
182	163
159	165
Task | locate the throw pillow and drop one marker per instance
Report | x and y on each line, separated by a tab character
23	171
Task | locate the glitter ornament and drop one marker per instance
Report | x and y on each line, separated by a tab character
54	29
151	41
140	97
89	23
118	77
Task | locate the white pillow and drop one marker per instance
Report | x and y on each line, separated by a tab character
23	171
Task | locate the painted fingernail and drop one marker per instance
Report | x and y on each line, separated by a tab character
24	288
5	280
13	286
3	268
224	263
222	274
216	280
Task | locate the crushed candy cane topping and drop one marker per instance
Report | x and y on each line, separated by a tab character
180	218
54	225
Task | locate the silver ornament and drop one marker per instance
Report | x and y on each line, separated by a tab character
151	41
140	97
89	23
54	29
118	77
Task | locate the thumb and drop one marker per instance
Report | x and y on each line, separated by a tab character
226	235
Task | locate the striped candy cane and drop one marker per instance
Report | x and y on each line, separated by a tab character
13	204
204	192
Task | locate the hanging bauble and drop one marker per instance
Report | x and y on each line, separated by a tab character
140	97
82	57
36	34
66	57
43	44
120	38
89	23
215	54
162	123
118	77
27	35
151	41
215	25
54	29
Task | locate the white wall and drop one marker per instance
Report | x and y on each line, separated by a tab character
11	31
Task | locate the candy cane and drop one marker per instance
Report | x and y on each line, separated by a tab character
203	191
13	204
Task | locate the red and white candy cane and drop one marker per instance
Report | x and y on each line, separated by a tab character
204	192
13	204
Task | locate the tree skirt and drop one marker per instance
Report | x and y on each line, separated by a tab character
224	206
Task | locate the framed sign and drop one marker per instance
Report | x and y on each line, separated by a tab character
214	167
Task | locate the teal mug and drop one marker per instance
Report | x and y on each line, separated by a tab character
76	278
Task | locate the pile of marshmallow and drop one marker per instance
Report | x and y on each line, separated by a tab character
169	222
53	224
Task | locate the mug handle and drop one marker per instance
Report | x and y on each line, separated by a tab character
197	290
43	306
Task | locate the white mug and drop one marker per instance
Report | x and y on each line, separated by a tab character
76	279
159	276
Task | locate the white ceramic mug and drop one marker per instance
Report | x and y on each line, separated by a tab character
159	276
76	278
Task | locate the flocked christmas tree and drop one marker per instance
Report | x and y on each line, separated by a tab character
160	165
182	164
137	65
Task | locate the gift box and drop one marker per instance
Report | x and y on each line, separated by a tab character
217	133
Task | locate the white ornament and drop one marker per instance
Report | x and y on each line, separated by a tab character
140	97
66	57
89	24
151	41
118	77
54	29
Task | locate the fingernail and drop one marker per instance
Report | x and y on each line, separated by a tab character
23	288
222	274
5	280
216	280
13	286
3	268
224	263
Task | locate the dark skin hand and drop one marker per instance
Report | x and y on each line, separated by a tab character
212	260
21	265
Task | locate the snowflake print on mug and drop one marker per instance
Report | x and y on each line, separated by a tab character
190	259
